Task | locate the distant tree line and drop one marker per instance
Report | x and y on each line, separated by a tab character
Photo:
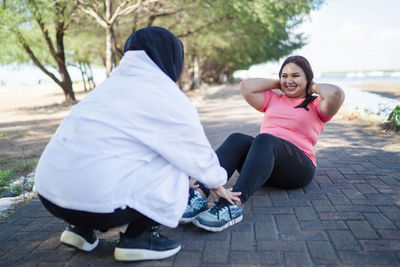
220	36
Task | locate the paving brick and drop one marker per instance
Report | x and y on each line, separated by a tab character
334	174
242	241
323	225
272	210
340	216
195	245
338	199
257	257
188	258
292	203
295	193
362	229
322	252
378	184
216	252
39	256
322	205
199	234
389	234
362	258
365	188
313	195
356	208
353	194
305	213
266	229
379	221
287	223
281	245
297	259
347	170
261	201
391	212
9	232
381	245
305	236
384	196
321	179
371	202
389	180
277	195
344	240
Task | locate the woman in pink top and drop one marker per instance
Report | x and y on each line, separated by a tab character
282	154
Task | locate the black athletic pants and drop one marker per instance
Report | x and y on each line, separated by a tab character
263	160
137	223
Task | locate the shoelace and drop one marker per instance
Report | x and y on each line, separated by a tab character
155	229
192	196
218	207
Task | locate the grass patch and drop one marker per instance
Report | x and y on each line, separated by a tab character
10	185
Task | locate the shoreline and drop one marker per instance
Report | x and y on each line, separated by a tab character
388	89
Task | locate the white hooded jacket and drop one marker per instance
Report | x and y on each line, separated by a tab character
133	141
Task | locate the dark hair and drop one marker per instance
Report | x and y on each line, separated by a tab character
303	63
162	46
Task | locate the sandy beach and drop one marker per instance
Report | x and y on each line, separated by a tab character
387	89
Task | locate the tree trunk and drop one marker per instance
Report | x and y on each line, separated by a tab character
62	67
66	84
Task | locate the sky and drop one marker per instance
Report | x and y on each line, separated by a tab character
351	35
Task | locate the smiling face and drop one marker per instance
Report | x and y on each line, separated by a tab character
293	81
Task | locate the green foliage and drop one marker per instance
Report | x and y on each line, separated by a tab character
17	17
224	35
22	169
6	176
239	33
394	119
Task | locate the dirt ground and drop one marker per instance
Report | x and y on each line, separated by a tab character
29	115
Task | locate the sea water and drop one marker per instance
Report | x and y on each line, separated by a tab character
362	101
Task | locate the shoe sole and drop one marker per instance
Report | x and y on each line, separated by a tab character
128	254
189	220
186	220
220	228
75	240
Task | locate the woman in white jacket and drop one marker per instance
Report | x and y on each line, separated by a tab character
123	155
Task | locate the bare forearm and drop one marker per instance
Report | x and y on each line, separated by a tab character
332	97
258	85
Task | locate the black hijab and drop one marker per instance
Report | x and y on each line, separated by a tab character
162	46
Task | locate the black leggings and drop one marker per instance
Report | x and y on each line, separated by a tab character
263	160
137	223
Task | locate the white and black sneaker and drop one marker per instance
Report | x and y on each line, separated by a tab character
149	245
80	238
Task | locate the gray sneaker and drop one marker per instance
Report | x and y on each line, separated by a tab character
219	217
196	205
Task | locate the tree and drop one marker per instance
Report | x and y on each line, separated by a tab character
35	31
231	35
109	13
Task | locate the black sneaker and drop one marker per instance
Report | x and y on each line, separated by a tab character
149	245
80	238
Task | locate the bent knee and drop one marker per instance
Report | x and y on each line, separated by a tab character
240	138
264	138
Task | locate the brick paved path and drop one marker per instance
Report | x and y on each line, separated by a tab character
349	215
